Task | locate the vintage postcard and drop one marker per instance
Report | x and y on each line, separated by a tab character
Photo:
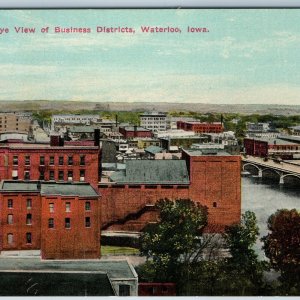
149	152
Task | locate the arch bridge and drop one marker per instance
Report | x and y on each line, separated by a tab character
280	169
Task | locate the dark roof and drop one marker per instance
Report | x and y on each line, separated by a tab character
206	152
19	186
49	188
153	172
68	189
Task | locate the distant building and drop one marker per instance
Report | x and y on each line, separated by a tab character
15	122
200	127
261	127
130	132
271	147
154	121
63	120
295	130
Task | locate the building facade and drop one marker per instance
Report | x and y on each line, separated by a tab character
70	161
212	179
130	132
60	219
154	121
200	127
15	122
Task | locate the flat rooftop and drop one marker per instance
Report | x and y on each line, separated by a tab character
115	269
49	188
206	152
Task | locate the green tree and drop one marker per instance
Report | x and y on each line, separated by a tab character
175	241
282	247
244	272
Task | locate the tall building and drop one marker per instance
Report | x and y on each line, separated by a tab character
15	122
154	121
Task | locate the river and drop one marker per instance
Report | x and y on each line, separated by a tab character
265	198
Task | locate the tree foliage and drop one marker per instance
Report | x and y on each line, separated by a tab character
175	239
243	268
282	247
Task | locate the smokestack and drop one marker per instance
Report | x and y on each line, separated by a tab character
116	120
135	130
97	137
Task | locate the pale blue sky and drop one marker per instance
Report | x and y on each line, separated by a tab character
248	56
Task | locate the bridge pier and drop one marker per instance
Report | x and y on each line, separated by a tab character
260	173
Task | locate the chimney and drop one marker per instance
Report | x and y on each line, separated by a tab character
97	137
116	120
61	141
54	140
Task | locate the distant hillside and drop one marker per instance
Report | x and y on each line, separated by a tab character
72	106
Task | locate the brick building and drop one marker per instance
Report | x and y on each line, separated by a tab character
208	177
263	147
130	132
200	127
60	219
57	161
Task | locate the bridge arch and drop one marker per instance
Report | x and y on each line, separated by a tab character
251	164
294	180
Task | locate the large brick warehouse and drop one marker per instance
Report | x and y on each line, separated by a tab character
56	198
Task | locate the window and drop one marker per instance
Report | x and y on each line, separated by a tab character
87	205
68	206
60	175
51	175
15	160
28	203
42	175
82	175
82	160
10	238
10	203
87	222
214	204
51	207
28	219
70	175
28	238
51	160
124	290
70	160
42	160
27	160
67	223
26	175
61	160
51	223
10	219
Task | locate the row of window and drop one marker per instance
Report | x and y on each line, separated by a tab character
10	204
61	175
10	219
52	161
87	206
10	238
68	223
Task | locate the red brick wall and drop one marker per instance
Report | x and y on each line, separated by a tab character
200	127
91	163
78	241
256	148
215	182
131	133
19	228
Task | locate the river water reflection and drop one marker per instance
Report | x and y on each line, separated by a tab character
265	198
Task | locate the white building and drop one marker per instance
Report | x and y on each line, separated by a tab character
154	121
60	120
